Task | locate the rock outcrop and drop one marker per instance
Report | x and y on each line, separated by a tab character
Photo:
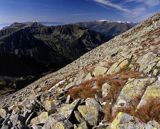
115	86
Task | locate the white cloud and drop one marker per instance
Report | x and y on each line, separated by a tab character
138	12
149	3
152	2
110	4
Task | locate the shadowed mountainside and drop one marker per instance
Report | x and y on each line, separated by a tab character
28	50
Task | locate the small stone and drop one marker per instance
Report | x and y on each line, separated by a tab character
156	72
68	99
89	113
41	119
105	89
36	127
2	113
153	124
14	119
88	77
5	127
49	105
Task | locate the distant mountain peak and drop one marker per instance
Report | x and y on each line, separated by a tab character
36	24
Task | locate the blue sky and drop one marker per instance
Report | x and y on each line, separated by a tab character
68	11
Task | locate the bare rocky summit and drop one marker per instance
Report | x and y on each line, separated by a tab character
115	86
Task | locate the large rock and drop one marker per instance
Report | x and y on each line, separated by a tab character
67	109
152	92
49	105
89	113
93	103
41	119
3	113
147	62
57	121
125	121
99	70
149	106
131	93
116	67
58	125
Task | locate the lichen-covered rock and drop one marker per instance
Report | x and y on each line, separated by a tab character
3	113
93	103
49	105
99	70
152	125
125	121
88	77
41	119
147	62
83	125
131	93
57	121
152	92
149	105
67	109
89	113
58	125
116	67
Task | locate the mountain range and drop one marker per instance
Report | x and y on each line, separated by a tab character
106	27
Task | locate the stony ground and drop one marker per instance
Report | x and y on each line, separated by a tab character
115	86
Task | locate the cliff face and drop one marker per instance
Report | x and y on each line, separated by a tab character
115	86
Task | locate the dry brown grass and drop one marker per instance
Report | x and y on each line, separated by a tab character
150	111
84	90
117	81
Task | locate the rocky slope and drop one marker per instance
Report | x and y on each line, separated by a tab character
115	86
